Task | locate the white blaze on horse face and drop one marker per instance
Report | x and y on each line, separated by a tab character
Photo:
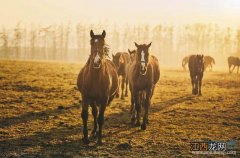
97	59
142	60
96	40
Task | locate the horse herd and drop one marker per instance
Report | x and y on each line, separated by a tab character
209	62
98	81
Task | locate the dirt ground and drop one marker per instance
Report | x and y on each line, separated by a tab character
40	114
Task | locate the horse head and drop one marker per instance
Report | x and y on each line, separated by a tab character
142	57
98	49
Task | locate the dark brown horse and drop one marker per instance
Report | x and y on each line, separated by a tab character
121	60
98	84
208	62
196	68
233	61
143	75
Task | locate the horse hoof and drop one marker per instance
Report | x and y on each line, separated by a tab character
143	127
85	140
94	135
137	124
99	143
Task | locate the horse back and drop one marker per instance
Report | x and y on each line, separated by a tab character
156	69
233	61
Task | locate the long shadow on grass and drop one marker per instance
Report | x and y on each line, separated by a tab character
5	122
58	143
162	105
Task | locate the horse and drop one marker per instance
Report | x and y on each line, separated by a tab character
235	61
132	54
185	61
196	68
143	74
121	60
208	62
98	85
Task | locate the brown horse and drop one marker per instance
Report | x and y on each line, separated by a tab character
98	84
143	75
185	61
121	60
208	62
233	61
132	54
196	68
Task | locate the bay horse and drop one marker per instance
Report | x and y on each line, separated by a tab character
208	62
196	68
132	54
143	75
98	84
233	61
121	60
185	61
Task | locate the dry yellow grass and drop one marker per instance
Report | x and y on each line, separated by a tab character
40	114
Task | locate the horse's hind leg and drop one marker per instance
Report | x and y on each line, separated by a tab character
126	90
122	86
84	115
192	81
94	113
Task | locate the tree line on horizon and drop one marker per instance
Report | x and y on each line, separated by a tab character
68	42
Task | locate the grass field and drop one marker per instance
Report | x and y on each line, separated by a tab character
40	114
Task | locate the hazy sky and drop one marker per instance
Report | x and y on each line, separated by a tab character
225	12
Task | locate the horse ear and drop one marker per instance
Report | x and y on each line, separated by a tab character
149	45
112	55
129	51
136	44
91	33
104	34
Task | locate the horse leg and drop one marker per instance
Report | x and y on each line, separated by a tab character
122	86
229	67
233	68
117	95
137	107
126	90
196	84
101	122
146	105
192	81
94	113
200	85
84	115
237	69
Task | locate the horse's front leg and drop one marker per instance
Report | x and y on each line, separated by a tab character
84	115
101	120
146	105
94	113
137	106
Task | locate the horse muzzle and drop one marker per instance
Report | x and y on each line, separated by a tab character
143	70
97	65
